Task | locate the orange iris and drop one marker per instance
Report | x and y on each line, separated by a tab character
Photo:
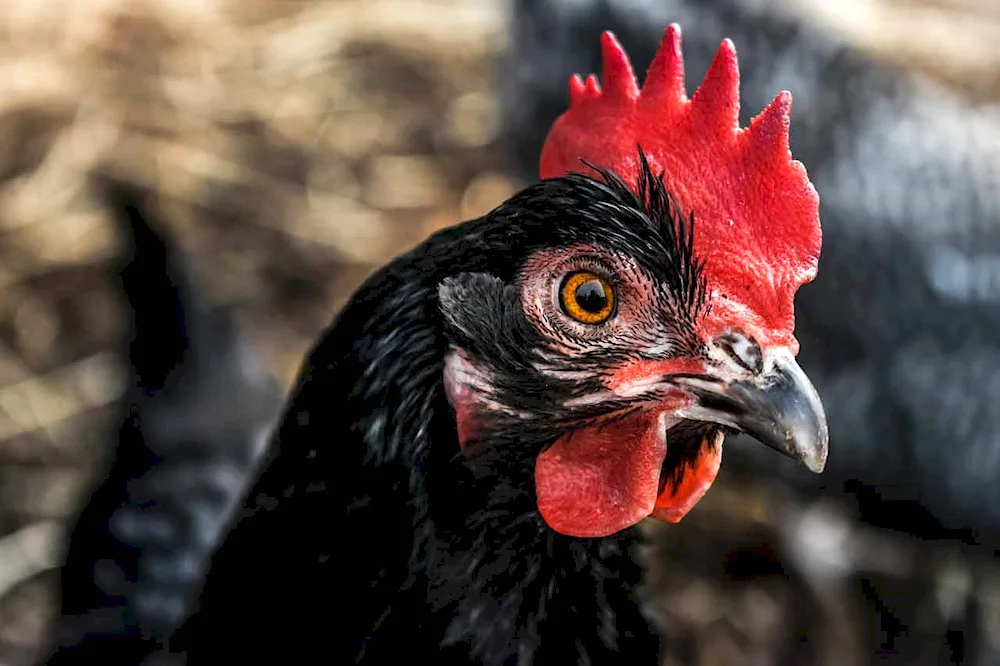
587	297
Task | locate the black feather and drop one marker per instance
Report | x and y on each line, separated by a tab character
440	556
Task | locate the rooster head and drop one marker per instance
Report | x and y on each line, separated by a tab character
652	309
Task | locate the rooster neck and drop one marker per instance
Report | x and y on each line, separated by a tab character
482	577
507	584
437	557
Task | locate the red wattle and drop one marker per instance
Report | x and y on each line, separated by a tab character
600	480
673	504
597	481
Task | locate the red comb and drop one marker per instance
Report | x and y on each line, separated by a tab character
756	213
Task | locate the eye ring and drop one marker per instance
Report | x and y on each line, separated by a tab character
587	297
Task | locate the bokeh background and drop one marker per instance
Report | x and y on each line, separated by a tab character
294	147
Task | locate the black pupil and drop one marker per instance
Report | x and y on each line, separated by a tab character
591	297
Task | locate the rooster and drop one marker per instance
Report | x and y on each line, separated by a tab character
498	408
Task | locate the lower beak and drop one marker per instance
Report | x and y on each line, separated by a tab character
778	407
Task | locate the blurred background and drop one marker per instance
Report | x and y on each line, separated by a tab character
292	147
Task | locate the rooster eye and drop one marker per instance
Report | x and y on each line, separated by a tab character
586	297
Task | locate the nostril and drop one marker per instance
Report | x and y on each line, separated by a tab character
743	349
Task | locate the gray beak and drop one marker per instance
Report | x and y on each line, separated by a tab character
778	407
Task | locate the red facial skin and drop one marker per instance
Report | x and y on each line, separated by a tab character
601	478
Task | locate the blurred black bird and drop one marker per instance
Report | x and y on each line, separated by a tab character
200	410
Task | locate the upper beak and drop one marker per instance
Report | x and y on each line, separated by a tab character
779	407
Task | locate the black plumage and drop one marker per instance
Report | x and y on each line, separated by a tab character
200	409
441	556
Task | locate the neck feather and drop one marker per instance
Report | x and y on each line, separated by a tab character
476	573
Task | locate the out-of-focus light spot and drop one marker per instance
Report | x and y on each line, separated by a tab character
963	278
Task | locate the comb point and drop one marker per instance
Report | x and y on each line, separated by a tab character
591	87
768	131
619	78
665	77
718	96
577	92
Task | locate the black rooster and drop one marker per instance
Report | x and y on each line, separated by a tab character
499	407
200	411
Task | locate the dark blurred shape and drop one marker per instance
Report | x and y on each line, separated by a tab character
900	330
200	410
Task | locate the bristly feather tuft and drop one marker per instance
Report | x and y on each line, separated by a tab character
651	196
758	215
